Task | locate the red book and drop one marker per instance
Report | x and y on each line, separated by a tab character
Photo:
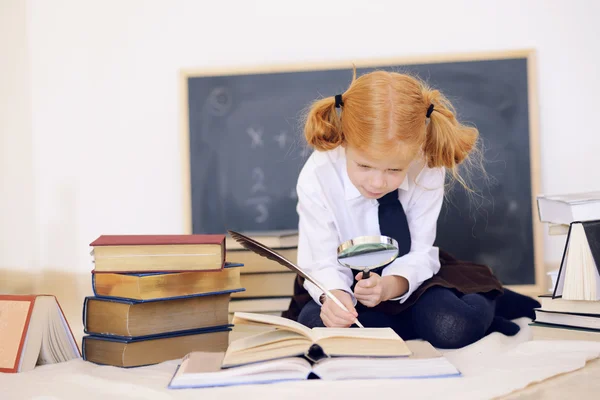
33	331
158	253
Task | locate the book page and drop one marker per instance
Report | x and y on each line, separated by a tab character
591	277
58	343
359	333
242	318
191	375
276	338
375	342
384	368
13	317
573	288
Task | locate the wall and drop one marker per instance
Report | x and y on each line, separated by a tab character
93	145
18	231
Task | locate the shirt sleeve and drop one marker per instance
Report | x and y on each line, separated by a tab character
318	242
422	262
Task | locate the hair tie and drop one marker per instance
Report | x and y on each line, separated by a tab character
338	101
429	111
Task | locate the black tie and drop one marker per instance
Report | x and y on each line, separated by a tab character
392	221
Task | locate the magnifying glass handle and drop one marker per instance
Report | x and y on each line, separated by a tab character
366	274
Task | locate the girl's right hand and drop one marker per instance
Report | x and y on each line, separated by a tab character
333	316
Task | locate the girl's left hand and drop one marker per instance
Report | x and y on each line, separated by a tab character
369	291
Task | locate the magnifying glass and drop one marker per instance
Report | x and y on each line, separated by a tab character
365	253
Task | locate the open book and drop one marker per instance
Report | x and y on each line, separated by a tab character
579	274
288	338
33	331
203	369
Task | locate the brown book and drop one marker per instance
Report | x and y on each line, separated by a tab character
164	285
279	284
275	239
137	352
158	253
33	331
542	331
129	318
255	263
260	305
569	306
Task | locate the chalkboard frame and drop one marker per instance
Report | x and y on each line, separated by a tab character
540	279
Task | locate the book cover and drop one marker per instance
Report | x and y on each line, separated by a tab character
145	240
15	315
34	331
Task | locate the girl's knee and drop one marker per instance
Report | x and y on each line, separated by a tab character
310	315
451	330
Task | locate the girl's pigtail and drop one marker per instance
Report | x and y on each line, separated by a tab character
323	128
448	142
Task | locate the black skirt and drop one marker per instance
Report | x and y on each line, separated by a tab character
462	276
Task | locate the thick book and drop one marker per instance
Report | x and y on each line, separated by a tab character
158	253
199	370
33	331
136	352
277	284
542	331
275	239
569	306
255	263
579	276
135	318
260	305
288	338
590	321
160	285
566	208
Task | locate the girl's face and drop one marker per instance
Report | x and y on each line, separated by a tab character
376	177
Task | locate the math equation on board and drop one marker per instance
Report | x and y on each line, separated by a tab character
260	197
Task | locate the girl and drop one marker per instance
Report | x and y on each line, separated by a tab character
380	168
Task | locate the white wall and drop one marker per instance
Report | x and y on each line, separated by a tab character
18	241
98	151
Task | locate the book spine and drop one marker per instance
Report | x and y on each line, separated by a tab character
94	284
84	313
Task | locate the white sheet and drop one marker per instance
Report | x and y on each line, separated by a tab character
494	366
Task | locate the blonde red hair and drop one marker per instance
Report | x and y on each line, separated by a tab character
387	111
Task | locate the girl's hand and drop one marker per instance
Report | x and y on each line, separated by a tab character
333	316
370	291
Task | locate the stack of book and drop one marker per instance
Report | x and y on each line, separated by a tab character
157	298
269	285
572	310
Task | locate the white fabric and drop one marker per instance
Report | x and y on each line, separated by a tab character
494	366
331	211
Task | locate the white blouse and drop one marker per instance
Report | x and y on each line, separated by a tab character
332	211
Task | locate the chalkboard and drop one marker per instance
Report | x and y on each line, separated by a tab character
244	150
